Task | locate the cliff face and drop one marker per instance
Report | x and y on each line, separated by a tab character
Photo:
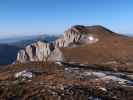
39	51
82	35
78	35
98	44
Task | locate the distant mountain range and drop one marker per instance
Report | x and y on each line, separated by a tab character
32	37
28	40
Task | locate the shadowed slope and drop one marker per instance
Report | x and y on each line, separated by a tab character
8	54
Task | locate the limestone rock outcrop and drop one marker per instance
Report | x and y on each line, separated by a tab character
73	37
76	35
39	51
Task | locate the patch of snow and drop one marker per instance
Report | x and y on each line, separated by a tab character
87	73
28	75
97	74
117	79
59	63
91	38
66	69
103	89
18	74
24	74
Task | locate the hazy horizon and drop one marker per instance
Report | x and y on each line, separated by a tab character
28	17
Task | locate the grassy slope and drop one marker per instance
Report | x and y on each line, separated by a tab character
108	48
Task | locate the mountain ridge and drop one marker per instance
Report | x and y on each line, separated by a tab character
93	44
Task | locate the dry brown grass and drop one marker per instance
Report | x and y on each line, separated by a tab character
53	85
113	48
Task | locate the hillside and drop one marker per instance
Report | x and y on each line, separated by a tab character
109	47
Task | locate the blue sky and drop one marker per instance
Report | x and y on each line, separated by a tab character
25	17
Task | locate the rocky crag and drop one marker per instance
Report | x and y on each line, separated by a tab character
76	35
85	43
39	51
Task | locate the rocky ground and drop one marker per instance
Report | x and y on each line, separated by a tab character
49	81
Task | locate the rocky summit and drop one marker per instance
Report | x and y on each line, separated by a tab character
76	35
